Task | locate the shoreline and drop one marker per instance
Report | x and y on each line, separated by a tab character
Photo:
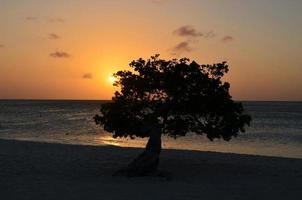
142	146
34	170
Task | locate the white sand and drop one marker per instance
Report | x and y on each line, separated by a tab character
31	170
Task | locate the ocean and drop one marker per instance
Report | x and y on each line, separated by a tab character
276	129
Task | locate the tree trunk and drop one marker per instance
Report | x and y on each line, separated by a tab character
146	163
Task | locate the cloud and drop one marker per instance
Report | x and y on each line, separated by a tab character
55	20
31	18
227	38
60	54
190	31
53	36
47	19
87	76
187	31
184	46
209	34
1	45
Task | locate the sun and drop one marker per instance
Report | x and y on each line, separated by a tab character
112	79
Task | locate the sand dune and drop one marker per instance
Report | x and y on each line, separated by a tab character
31	170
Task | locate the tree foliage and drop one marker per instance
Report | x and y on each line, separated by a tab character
178	96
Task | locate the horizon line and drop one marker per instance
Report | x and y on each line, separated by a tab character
67	99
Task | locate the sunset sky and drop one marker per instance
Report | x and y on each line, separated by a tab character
67	49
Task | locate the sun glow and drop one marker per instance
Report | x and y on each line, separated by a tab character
112	79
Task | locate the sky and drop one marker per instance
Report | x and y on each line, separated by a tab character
67	49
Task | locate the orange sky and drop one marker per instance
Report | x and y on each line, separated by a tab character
68	49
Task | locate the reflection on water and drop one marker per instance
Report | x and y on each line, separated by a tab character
107	139
276	128
203	144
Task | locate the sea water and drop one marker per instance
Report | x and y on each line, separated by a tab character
276	129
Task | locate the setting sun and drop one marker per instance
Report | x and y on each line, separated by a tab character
112	79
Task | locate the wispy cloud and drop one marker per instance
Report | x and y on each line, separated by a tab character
209	34
53	36
227	38
60	54
187	31
46	19
55	19
31	18
184	46
87	76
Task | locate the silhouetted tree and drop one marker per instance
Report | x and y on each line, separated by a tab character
170	97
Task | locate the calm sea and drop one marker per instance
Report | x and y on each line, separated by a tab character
276	129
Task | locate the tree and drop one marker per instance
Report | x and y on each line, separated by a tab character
171	97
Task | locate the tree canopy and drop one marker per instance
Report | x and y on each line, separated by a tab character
178	96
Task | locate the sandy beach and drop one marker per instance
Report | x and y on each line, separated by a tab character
30	170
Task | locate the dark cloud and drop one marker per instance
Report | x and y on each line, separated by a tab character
60	54
187	31
53	36
55	19
227	38
182	47
190	31
87	76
